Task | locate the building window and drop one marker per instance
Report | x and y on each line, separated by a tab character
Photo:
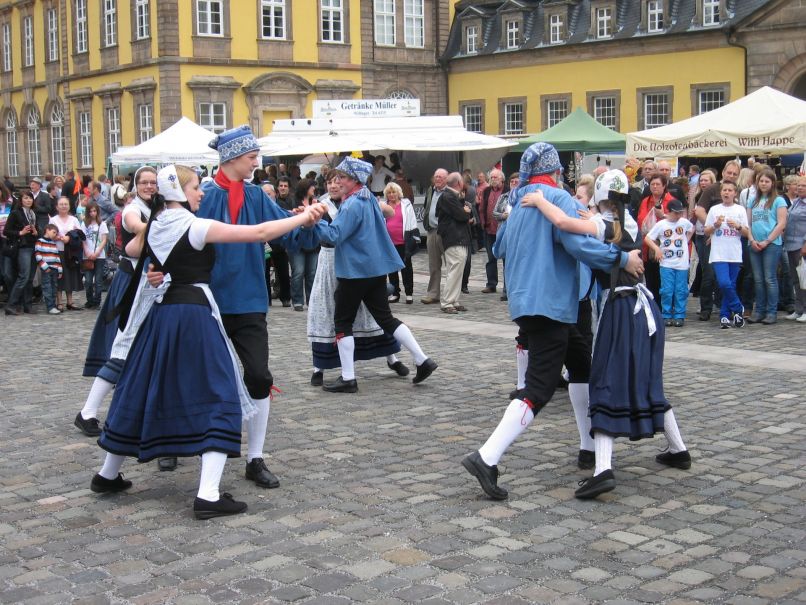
332	21
209	16
604	111
472	116
213	116
555	29
513	34
654	16
513	118
85	139
414	22
6	47
656	110
273	15
110	23
710	12
472	39
385	22
81	26
556	111
34	151
53	34
57	140
603	22
145	121
27	41
12	157
708	100
113	128
142	18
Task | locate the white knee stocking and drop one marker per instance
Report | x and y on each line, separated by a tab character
517	417
212	468
404	336
672	432
578	394
111	467
522	359
603	446
346	346
256	428
100	389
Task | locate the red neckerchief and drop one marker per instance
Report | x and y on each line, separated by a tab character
543	179
235	198
355	190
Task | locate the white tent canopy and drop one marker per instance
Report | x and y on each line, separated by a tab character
766	121
423	133
183	143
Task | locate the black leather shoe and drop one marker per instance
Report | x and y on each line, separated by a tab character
516	394
504	298
487	476
89	426
399	367
341	386
258	472
225	505
465	290
317	378
167	464
594	486
678	460
704	316
424	370
12	311
586	459
101	485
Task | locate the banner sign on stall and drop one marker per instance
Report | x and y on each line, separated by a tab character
366	108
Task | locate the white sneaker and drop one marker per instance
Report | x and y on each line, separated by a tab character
54	311
801	319
792	316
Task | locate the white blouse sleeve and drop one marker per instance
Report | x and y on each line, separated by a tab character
198	232
600	226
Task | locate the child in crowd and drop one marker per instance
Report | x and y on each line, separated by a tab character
674	234
726	223
50	266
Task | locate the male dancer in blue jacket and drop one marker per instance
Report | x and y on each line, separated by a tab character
364	257
542	277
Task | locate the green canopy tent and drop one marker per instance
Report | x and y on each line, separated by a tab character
577	132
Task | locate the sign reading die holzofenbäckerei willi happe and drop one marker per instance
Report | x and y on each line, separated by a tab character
366	108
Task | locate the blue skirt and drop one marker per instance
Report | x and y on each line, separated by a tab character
177	394
626	382
326	355
103	334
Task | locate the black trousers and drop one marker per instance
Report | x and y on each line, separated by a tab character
407	271
279	257
551	345
250	337
350	293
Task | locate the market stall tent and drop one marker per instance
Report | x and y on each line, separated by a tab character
183	143
578	131
766	121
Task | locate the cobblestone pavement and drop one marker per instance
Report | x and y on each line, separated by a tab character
373	505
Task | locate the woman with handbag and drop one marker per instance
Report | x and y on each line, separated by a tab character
21	232
92	266
653	208
795	247
71	280
402	228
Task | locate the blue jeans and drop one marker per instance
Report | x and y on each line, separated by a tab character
50	283
93	282
23	290
303	268
673	292
726	275
765	278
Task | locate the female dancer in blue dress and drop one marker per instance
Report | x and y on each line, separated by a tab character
135	216
626	381
180	392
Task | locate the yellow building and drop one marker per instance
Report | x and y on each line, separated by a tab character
79	78
520	66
